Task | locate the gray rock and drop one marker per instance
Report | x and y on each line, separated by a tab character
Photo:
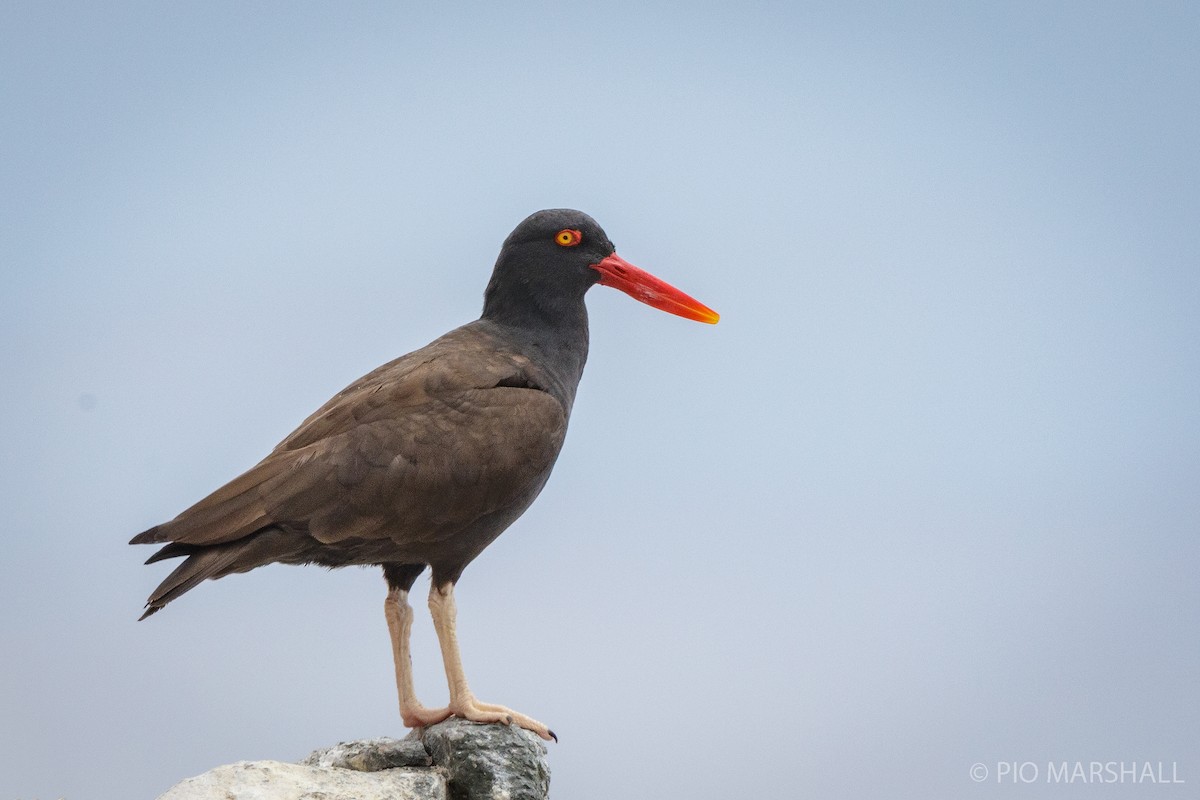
488	762
371	755
275	780
470	762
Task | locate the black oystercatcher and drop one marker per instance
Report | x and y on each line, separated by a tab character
426	460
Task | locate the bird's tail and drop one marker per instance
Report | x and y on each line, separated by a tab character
214	561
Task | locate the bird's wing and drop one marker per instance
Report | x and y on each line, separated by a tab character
415	451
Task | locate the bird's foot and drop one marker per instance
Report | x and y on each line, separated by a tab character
471	709
418	716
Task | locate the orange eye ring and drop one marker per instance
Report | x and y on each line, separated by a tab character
568	237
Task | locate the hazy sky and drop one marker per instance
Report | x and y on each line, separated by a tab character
928	497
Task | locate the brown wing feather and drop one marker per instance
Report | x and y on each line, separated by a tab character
414	452
425	476
231	512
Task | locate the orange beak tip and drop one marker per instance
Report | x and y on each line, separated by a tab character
655	292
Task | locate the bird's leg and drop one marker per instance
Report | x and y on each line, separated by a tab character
462	701
400	618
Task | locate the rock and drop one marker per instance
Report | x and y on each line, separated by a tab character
488	761
275	780
453	760
371	755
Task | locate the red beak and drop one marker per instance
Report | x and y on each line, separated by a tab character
641	285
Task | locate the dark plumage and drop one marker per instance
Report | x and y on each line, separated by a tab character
427	459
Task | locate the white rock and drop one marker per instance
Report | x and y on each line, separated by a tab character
275	780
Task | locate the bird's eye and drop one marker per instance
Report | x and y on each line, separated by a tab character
568	237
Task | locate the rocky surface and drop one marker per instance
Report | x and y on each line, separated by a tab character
275	780
372	755
488	761
453	760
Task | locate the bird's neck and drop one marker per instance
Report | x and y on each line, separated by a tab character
554	337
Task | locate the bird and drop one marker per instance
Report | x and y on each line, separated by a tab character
424	461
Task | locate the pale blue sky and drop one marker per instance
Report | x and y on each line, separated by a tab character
926	497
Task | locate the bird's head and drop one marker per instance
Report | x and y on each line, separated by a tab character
556	255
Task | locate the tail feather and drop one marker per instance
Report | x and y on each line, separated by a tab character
173	550
209	562
216	561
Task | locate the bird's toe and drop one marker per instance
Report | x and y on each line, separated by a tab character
476	711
